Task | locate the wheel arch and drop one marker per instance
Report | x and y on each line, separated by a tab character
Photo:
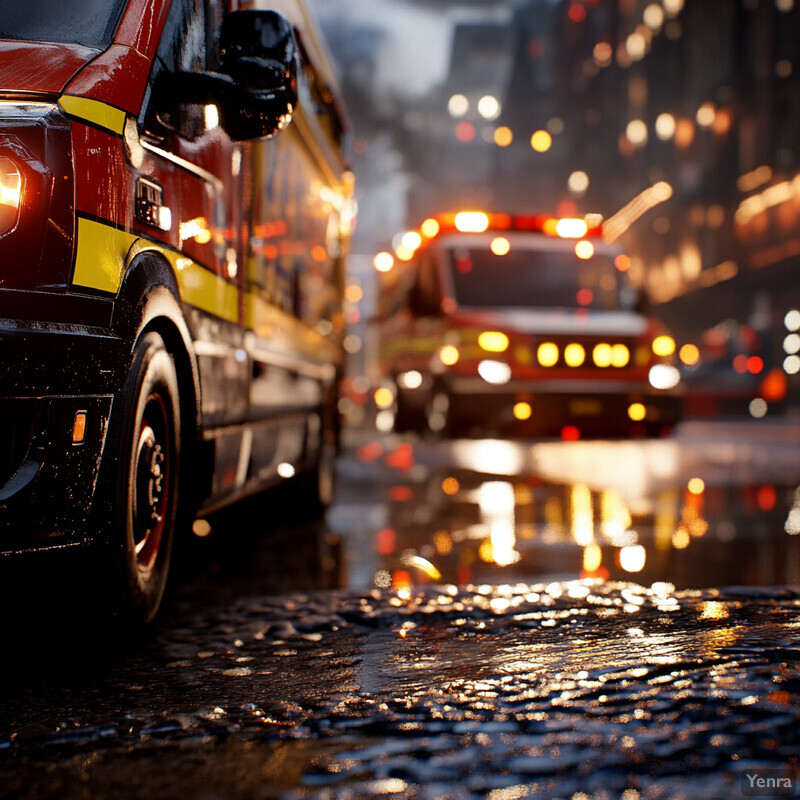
149	299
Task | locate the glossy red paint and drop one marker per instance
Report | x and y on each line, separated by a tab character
39	68
117	77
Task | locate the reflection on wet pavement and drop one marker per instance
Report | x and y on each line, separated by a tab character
708	507
578	689
476	619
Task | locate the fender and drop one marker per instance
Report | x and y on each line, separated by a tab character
149	298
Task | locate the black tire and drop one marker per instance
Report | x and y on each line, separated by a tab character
145	432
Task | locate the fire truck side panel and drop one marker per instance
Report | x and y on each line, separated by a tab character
170	297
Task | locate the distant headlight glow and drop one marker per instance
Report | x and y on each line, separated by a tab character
494	372
664	376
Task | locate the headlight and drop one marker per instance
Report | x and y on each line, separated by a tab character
495	372
10	194
664	376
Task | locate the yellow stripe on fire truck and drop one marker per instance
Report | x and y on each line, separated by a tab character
104	253
94	112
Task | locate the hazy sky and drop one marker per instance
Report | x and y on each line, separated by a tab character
415	52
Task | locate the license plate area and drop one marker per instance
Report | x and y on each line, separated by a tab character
585	407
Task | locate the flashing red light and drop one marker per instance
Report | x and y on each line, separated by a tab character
755	364
570	433
534	223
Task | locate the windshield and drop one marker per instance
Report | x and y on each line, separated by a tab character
524	278
87	22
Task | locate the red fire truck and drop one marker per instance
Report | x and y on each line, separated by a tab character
501	323
174	213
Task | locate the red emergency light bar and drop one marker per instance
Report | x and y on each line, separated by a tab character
479	221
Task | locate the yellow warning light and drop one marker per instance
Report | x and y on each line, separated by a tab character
601	355
574	354
547	354
493	341
620	355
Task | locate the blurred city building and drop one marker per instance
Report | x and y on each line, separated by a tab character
678	122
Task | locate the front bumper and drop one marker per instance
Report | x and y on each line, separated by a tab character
595	408
49	373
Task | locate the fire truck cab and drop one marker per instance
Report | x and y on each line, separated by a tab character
501	323
174	213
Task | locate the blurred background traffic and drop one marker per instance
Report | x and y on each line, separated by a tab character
676	122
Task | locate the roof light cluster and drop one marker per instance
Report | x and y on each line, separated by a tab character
406	244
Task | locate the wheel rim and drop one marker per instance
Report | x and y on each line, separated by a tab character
151	483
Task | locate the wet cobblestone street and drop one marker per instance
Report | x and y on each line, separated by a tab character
568	689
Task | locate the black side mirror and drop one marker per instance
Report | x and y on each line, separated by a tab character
259	53
255	89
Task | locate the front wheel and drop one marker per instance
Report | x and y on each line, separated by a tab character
145	432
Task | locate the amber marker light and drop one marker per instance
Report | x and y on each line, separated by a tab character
547	354
574	354
503	136
622	262
79	427
689	354
493	341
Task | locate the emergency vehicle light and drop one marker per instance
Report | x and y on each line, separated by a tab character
471	221
10	193
480	221
568	228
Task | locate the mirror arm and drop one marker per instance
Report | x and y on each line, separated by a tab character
199	88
